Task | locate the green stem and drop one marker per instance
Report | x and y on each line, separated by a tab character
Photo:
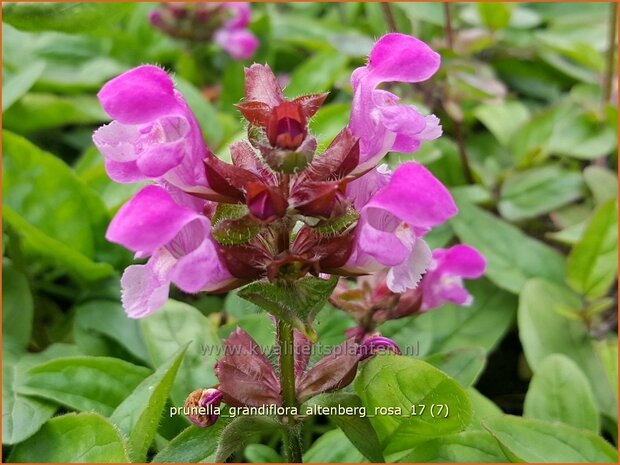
611	52
291	440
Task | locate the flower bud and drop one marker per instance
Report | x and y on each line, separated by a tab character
201	406
377	344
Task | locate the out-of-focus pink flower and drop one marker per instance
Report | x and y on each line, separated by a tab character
154	134
238	43
443	282
377	117
225	23
168	226
396	210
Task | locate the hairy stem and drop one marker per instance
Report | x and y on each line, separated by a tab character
448	25
389	16
291	440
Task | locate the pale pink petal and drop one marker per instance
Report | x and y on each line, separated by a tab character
144	288
407	275
200	268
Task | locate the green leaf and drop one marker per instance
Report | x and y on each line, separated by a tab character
527	440
607	351
512	256
84	383
333	447
483	408
316	74
242	430
205	113
295	302
468	447
544	330
69	17
55	251
401	382
580	135
260	453
602	182
329	121
534	192
502	119
138	415
356	427
451	327
22	415
17	305
36	112
495	15
193	445
84	437
592	264
18	84
531	142
559	391
172	328
464	365
108	318
37	183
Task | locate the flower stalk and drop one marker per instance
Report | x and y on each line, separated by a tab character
291	440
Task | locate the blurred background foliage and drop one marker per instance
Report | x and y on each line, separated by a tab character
527	97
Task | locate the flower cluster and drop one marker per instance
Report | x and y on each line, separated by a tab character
281	210
225	23
371	301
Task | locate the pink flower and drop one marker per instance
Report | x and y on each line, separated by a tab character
396	210
223	22
238	43
233	36
154	134
381	123
443	281
167	225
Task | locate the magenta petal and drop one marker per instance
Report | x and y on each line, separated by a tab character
138	95
149	220
145	287
416	197
399	57
123	172
461	260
